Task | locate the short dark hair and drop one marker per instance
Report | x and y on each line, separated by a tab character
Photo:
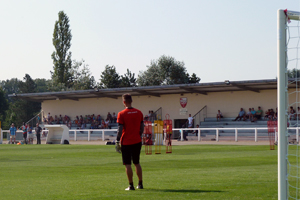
127	98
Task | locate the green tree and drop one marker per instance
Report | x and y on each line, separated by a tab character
61	57
41	84
165	71
81	76
293	73
193	78
3	105
21	110
110	78
10	86
128	79
151	76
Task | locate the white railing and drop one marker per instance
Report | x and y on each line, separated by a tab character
217	131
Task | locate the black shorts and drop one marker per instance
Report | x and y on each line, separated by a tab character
131	152
258	116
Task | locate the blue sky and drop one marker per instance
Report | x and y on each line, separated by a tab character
216	39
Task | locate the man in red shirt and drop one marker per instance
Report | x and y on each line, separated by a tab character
130	128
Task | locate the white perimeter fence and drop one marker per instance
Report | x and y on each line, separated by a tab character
231	133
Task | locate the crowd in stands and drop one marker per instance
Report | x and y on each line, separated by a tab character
83	122
254	115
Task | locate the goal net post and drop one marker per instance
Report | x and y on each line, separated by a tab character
284	16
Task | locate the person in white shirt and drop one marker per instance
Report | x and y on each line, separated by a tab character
190	120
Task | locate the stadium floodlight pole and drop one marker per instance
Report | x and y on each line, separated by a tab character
282	105
282	89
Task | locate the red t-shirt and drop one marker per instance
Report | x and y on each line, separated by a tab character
131	119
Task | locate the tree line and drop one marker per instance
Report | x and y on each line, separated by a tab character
69	74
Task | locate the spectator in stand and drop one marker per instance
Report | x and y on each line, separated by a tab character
12	131
83	125
69	124
114	118
196	131
60	118
240	116
109	117
103	124
50	120
271	114
292	113
298	112
253	112
267	113
248	115
275	114
258	114
56	119
81	119
107	123
48	117
99	118
219	115
45	120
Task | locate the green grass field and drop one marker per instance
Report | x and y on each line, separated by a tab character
96	172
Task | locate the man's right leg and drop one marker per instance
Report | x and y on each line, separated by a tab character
139	173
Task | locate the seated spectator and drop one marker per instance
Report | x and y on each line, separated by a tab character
258	114
253	113
267	113
248	115
275	115
103	125
69	124
107	123
271	114
99	118
196	131
109	117
60	118
298	112
83	125
292	113
240	116
45	120
114	118
219	115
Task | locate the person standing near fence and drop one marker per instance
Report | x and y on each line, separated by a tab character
130	128
29	134
38	131
24	129
12	131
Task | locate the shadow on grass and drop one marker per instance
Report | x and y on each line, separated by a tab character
183	190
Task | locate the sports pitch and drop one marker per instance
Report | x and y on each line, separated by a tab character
96	172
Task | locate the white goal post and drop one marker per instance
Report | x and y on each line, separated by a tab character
282	99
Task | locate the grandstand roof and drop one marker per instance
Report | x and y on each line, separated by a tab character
198	88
